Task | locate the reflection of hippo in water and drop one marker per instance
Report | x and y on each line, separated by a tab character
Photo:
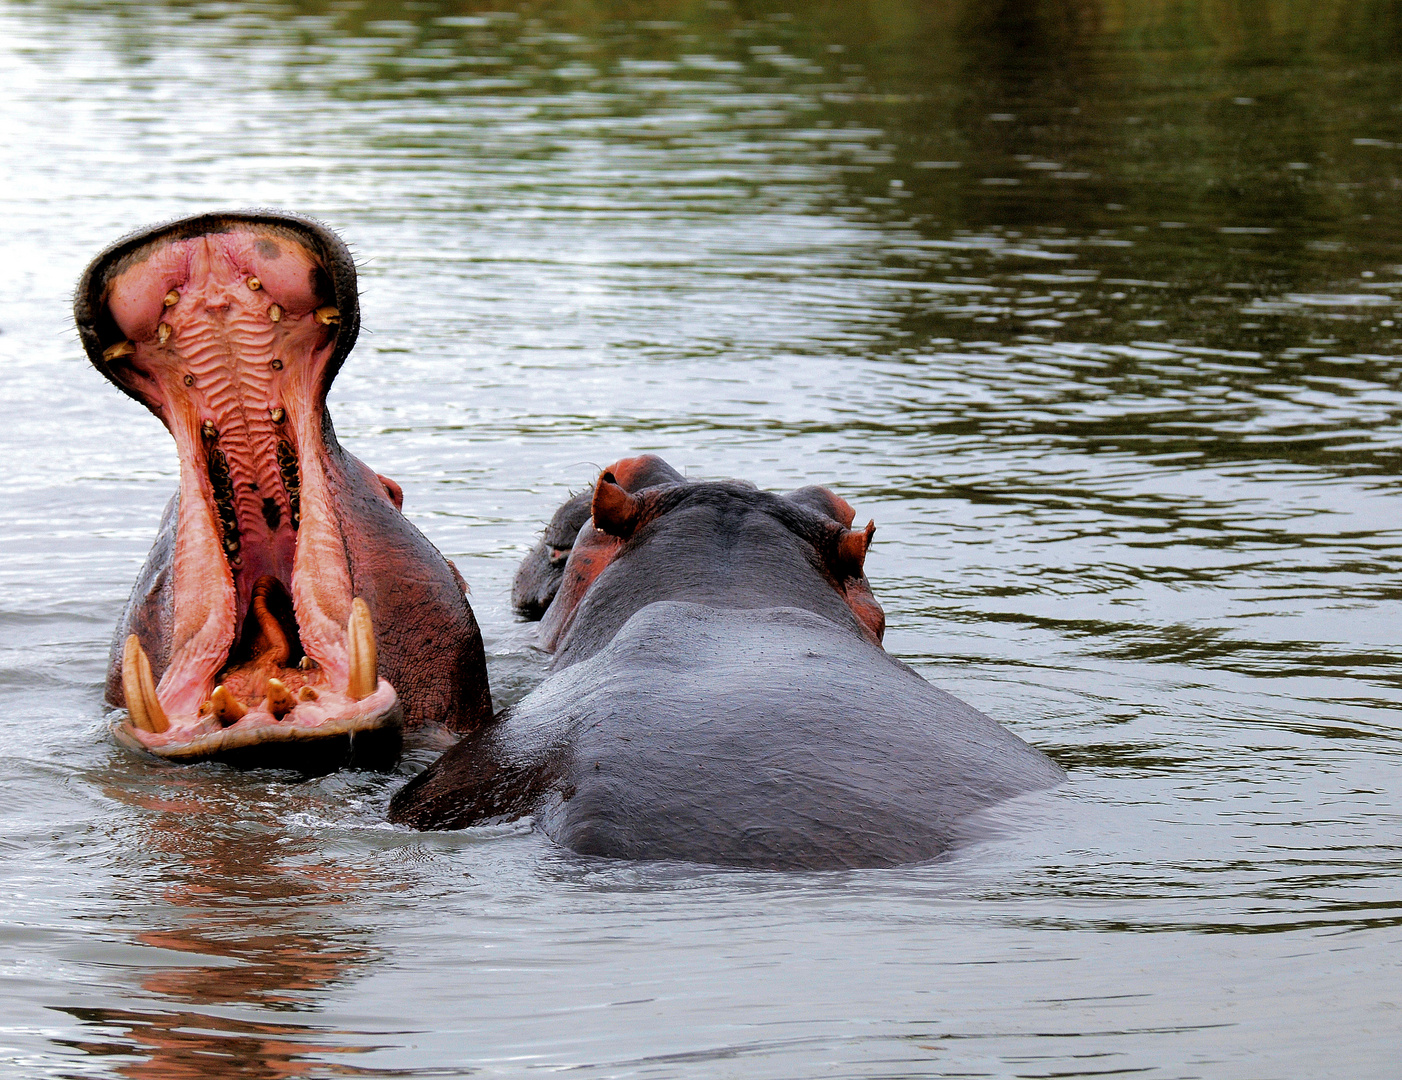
288	613
719	694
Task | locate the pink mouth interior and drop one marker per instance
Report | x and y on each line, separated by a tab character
231	353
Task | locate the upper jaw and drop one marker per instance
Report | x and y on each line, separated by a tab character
230	328
98	333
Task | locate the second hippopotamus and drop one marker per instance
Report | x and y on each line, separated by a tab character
719	694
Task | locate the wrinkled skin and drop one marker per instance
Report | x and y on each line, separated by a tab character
719	694
230	328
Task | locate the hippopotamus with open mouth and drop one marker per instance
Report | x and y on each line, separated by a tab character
719	694
288	614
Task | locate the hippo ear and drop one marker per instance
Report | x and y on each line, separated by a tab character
615	511
852	548
393	490
825	502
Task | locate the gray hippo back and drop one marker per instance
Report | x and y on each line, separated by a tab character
724	726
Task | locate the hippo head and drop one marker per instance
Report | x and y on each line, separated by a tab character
540	573
757	548
287	603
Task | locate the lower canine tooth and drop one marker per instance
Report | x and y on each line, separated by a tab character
226	708
280	701
327	316
119	350
360	643
139	688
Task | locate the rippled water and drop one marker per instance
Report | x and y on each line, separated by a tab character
1092	306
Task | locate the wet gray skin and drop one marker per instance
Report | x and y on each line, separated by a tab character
715	699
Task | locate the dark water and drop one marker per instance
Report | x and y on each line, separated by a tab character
1092	306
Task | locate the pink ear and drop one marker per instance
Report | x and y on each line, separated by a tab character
393	490
615	511
852	548
842	509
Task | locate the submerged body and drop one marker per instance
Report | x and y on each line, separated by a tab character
288	614
719	694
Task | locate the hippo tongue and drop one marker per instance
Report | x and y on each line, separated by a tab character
231	336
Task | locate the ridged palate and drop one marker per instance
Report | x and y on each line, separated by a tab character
203	333
235	383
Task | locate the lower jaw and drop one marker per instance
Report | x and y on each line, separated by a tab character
366	736
265	713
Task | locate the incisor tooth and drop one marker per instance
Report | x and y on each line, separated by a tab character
360	642
306	694
327	316
280	701
119	350
163	333
139	689
171	299
254	284
226	708
275	313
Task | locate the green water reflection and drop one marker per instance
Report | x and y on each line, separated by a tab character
1093	306
1218	174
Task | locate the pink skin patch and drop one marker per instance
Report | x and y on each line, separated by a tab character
232	334
592	552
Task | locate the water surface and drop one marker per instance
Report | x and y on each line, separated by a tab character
1092	306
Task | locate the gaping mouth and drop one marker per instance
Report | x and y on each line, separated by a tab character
230	329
